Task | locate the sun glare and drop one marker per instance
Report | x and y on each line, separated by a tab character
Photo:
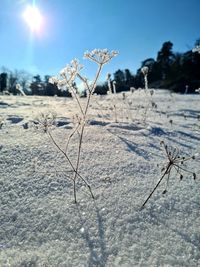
33	18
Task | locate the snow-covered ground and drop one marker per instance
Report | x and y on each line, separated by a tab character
122	159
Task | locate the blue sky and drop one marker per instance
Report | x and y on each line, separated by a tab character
136	28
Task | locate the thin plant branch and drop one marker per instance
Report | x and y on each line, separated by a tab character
174	160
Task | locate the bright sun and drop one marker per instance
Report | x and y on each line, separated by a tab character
33	18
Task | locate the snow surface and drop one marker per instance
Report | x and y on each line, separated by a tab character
39	223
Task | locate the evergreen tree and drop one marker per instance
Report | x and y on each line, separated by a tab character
165	58
129	78
119	77
37	86
101	89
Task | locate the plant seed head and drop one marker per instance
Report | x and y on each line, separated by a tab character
162	142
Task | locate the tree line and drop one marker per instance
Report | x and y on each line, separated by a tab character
170	70
30	85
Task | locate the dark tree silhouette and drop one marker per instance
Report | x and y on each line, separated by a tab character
120	79
129	78
119	76
165	58
102	89
3	81
37	86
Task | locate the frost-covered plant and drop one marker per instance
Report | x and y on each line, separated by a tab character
112	92
145	71
186	89
45	121
19	88
171	122
115	100
109	83
153	104
114	87
148	103
173	162
196	49
132	89
67	78
127	110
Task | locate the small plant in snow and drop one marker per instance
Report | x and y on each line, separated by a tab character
132	90
113	94
114	87
19	88
145	71
45	121
123	96
173	162
186	89
171	122
109	83
149	103
67	78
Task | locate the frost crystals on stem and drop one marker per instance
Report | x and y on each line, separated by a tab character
68	75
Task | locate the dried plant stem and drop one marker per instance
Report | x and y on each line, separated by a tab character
173	162
90	92
71	135
69	161
146	82
78	102
114	103
167	171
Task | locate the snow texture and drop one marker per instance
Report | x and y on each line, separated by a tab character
39	223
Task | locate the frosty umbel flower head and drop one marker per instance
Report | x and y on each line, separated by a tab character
196	49
145	70
45	121
72	70
100	56
67	74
